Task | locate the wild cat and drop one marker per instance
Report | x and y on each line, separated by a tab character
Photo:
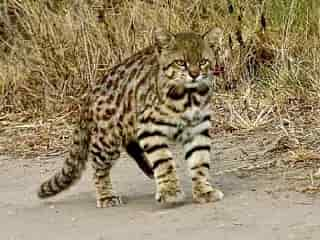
161	93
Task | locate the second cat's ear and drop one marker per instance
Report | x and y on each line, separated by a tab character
162	38
213	35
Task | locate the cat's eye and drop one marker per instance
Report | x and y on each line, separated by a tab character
180	63
203	62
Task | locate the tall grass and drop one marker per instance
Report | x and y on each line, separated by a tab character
51	51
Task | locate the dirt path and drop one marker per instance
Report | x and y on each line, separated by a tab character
256	206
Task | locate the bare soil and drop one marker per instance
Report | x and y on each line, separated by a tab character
265	198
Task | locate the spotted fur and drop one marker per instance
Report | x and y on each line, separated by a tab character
159	94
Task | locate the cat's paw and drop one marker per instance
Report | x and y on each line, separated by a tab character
109	201
170	197
212	195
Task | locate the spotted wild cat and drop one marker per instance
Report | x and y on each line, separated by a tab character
159	94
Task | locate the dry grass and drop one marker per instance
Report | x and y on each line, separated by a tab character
51	51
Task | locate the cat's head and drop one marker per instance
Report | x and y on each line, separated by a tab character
187	58
187	55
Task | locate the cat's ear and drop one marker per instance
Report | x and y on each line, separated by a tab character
162	37
213	35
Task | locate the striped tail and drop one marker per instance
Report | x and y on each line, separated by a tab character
73	165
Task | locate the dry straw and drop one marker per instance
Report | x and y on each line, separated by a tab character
52	51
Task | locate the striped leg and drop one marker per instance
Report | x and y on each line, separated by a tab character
197	154
154	142
103	155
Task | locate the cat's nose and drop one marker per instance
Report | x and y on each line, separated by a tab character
194	71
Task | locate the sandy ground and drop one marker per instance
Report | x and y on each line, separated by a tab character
256	206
